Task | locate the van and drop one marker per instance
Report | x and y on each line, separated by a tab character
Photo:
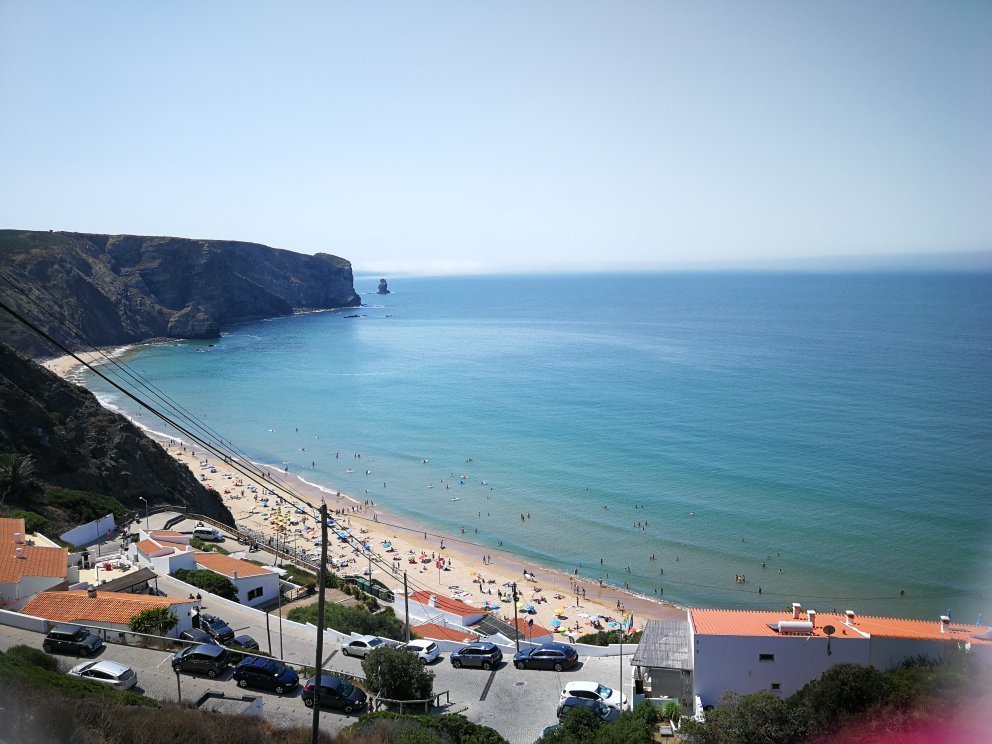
208	534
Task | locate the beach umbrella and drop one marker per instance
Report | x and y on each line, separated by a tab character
560	611
594	618
555	624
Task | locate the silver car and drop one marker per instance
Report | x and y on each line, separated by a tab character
106	673
361	645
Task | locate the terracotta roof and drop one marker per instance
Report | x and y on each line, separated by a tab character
447	604
148	546
155	534
756	623
36	561
178	547
442	633
225	564
106	607
533	632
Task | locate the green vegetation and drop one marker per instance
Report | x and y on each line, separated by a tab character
209	581
16	474
81	507
397	674
298	576
154	621
581	726
846	693
211	547
352	620
405	729
33	522
606	637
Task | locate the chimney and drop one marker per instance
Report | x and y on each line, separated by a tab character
91	592
850	617
811	614
19	553
944	622
18	538
234	575
432	602
796	609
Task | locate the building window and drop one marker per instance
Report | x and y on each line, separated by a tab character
255	593
776	686
766	657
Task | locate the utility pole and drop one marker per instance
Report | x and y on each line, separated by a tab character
406	606
516	631
321	583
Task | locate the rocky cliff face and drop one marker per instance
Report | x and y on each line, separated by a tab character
118	289
77	443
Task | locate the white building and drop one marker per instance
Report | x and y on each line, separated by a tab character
429	607
105	609
256	585
714	652
26	567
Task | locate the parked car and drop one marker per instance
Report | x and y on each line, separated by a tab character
361	645
71	639
216	627
549	730
335	693
557	656
595	691
240	646
208	534
270	674
197	636
106	673
426	650
601	710
484	655
205	659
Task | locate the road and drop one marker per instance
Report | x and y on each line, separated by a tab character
517	703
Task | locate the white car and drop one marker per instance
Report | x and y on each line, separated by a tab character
361	645
595	691
425	650
106	673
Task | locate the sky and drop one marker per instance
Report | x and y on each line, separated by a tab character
468	137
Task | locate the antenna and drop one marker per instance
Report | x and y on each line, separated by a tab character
829	630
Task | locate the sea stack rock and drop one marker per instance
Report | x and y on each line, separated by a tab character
383	287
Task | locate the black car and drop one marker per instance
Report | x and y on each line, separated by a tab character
71	639
206	659
600	709
255	671
555	656
241	644
484	655
335	693
197	636
216	627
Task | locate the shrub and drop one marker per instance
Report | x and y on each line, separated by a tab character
606	637
209	581
397	674
32	522
212	547
84	506
154	621
351	620
30	656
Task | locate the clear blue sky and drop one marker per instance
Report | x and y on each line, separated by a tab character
505	136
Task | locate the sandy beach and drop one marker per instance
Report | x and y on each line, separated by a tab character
473	573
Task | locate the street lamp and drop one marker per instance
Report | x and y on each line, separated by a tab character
146	512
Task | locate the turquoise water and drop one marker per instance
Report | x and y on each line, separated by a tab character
838	428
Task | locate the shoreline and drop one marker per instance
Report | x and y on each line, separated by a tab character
550	590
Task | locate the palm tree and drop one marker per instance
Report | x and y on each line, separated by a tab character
154	621
16	472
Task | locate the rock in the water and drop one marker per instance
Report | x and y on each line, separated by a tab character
383	287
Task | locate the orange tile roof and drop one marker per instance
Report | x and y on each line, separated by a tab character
8	526
755	623
37	561
535	631
155	534
441	633
225	564
453	606
178	547
106	607
148	546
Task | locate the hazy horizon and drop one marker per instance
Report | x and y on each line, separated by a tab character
460	139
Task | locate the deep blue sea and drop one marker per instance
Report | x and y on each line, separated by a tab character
837	428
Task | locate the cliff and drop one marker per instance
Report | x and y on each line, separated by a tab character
118	289
77	443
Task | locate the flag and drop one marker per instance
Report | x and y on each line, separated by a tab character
628	623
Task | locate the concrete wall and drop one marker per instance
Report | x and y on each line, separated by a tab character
731	663
90	532
24	622
269	585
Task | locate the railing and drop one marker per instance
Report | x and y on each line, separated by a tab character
432	702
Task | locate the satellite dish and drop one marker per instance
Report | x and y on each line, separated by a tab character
829	630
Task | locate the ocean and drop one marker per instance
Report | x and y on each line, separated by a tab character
827	437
